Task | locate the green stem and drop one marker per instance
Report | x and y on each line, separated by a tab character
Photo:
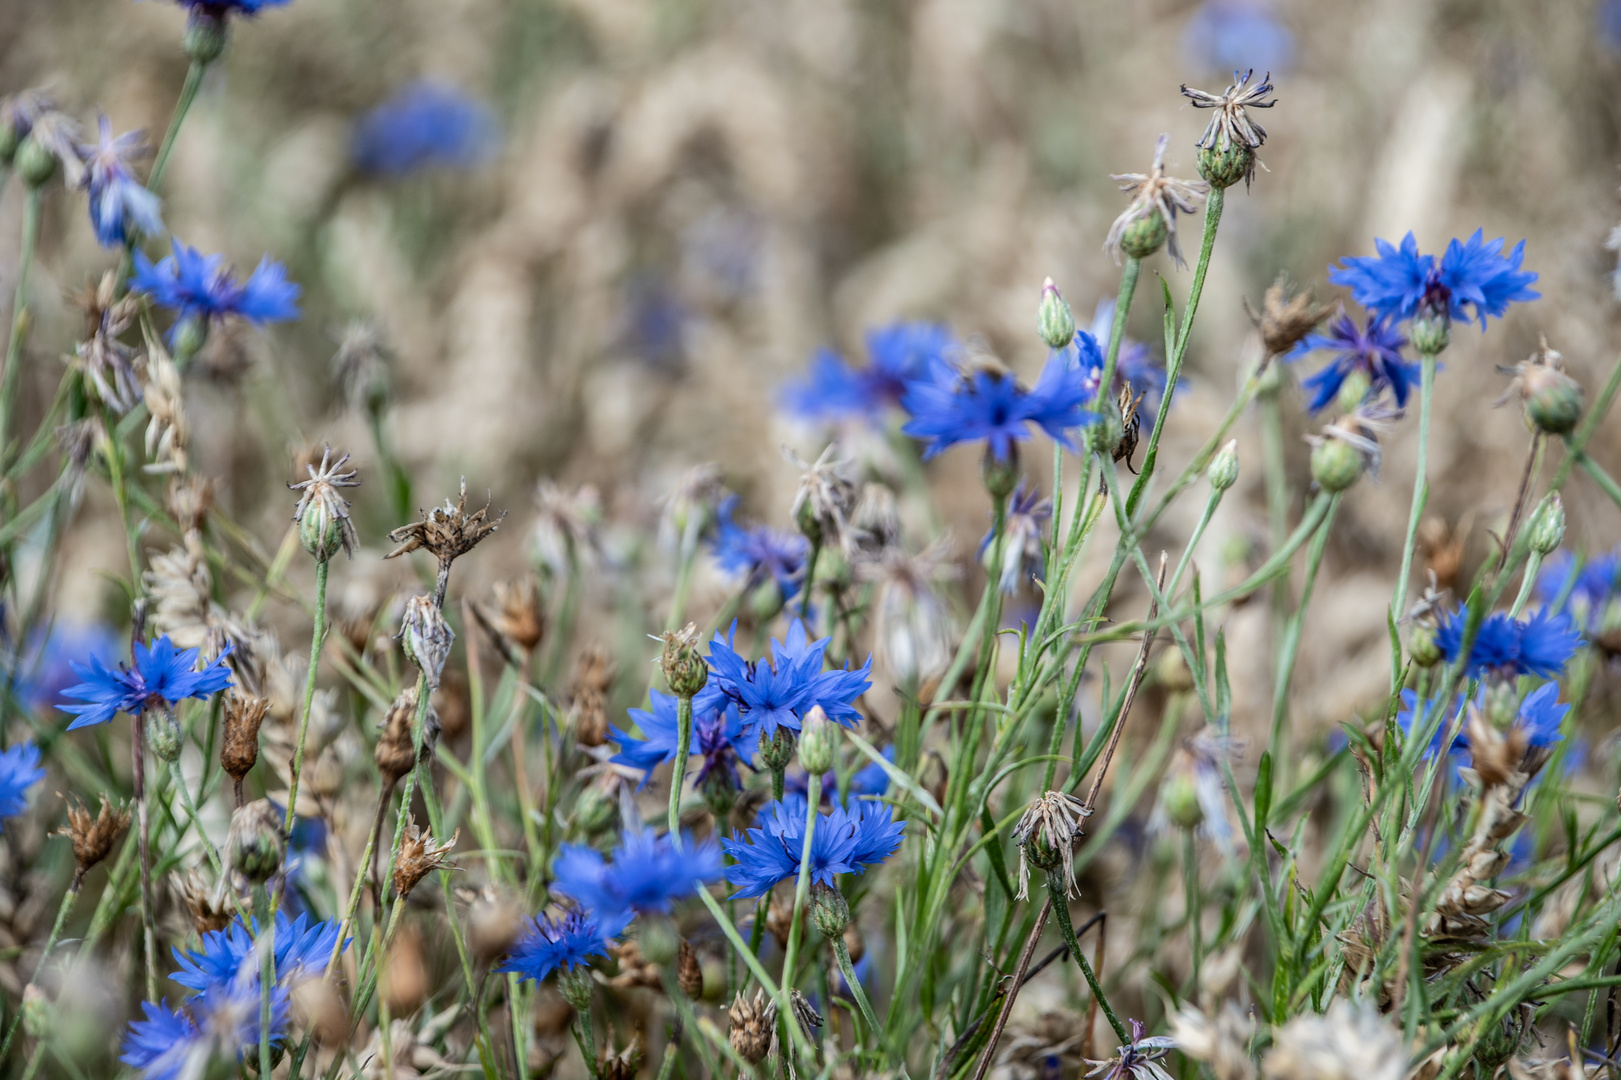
1198	534
62	910
810	577
1117	330
1291	636
20	317
1421	482
1277	503
1532	567
148	933
188	94
34	1061
841	952
191	815
1603	479
317	642
267	974
587	1040
1056	885
678	774
813	800
1190	880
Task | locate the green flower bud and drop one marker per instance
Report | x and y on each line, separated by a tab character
1104	435
1548	525
255	844
575	985
1054	319
1502	704
1553	400
163	735
10	140
594	811
1224	166
1354	390
1144	236
777	751
1223	470
1430	332
685	670
809	524
1421	646
1000	477
38	1012
766	601
818	742
204	39
719	795
1335	465
1181	797
829	910
1269	379
189	338
35	162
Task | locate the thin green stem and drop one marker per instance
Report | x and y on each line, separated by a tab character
267	974
813	800
1532	567
1056	883
1291	637
587	1040
841	952
148	932
1193	541
1117	329
678	773
1421	482
182	107
1603	479
317	642
196	823
62	910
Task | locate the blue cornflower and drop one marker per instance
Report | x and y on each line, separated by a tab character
1541	716
845	842
647	873
779	692
952	405
302	951
1507	647
1237	35
718	733
222	1022
423	123
1399	283
899	353
120	208
19	771
546	945
200	287
1412	716
1024	552
1587	588
869	780
758	553
44	669
1373	349
160	673
221	8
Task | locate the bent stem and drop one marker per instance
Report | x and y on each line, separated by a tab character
182	106
841	952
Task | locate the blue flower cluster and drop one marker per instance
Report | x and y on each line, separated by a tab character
718	733
1401	283
645	874
1372	348
779	691
423	124
1583	589
1507	648
1539	719
222	1014
952	405
868	781
844	842
898	354
200	288
758	553
161	673
547	945
19	771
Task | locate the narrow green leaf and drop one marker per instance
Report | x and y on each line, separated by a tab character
896	777
1263	791
1224	691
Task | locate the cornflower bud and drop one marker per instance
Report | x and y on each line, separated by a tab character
1431	330
689	973
829	910
1224	166
1181	799
594	811
719	794
818	742
255	843
1421	643
1347	447
204	38
322	514
240	751
1223	470
1335	465
427	637
35	163
777	751
1354	390
420	854
576	986
163	736
1000	475
1054	319
1103	436
657	937
685	670
749	1026
1548	524
93	837
1552	399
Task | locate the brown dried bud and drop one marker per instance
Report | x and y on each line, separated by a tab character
210	909
189	502
426	636
749	1027
420	854
453	702
93	837
623	1065
1285	320
689	973
519	615
243	715
395	753
635	969
446	533
322	514
593	676
256	844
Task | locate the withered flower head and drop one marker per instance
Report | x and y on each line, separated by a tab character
395	753
520	617
593	677
420	853
208	905
689	973
56	139
240	751
825	500
361	366
255	843
426	636
750	1024
1349	1042
1231	125
689	508
1046	836
93	837
109	365
1348	446
1287	318
447	533
635	969
1552	399
78	441
623	1065
1150	218
1137	1060
322	514
875	523
912	624
566	535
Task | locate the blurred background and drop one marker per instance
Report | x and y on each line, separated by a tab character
637	219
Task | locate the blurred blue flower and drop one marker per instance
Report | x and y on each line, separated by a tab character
758	553
845	842
718	733
45	669
302	951
779	691
1587	588
1398	282
1024	552
1540	717
19	771
422	124
1236	35
160	673
1411	717
198	286
869	780
547	945
951	405
1373	349
121	209
833	389
647	873
654	322
1508	648
223	1021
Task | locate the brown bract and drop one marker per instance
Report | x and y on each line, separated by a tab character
593	677
243	715
1287	318
749	1023
447	533
93	837
1155	193
210	909
420	854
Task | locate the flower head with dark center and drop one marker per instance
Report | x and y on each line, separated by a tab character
988	404
758	553
1373	349
421	125
1400	282
201	287
1231	124
718	733
845	842
1507	648
780	690
645	873
1155	193
121	209
833	389
161	673
19	771
548	945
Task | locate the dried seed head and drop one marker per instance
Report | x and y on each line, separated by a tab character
190	499
108	365
1227	147
689	508
593	676
208	905
566	536
875	523
322	514
1150	219
93	837
749	1024
243	715
426	636
395	753
1348	447
1046	836
256	845
445	532
623	1065
167	432
685	670
912	625
520	616
420	853
1286	319
689	973
361	366
402	980
825	498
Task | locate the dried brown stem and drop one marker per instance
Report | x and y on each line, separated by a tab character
1025	955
